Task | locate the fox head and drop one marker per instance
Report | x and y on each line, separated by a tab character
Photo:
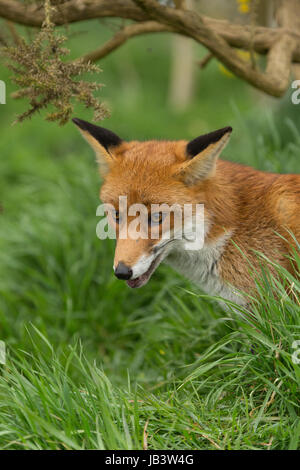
156	174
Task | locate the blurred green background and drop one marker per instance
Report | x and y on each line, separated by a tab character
54	271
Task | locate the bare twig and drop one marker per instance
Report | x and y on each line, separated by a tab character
205	61
253	7
123	35
281	53
193	25
282	44
237	36
13	32
69	12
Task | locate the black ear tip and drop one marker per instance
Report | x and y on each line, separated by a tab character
104	136
225	130
80	123
203	141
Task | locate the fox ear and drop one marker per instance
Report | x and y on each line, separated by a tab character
101	140
202	154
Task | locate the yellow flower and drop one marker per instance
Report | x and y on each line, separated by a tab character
244	55
225	71
244	8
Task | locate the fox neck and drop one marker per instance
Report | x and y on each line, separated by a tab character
202	266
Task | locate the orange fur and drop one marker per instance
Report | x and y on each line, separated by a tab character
250	205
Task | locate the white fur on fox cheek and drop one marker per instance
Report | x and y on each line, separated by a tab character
142	265
145	261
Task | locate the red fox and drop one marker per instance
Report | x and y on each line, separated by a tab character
245	210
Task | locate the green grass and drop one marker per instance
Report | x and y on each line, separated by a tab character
89	361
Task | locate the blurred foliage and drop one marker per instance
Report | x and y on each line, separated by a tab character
57	276
49	188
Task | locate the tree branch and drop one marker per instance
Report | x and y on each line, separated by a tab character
180	4
70	12
123	35
279	61
13	32
282	44
194	25
237	36
205	61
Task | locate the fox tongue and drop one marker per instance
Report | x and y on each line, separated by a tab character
143	279
139	281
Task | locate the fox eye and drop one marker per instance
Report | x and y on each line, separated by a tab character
116	216
156	218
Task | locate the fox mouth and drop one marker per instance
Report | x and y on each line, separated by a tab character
144	278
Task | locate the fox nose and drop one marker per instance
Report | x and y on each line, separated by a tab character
123	272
